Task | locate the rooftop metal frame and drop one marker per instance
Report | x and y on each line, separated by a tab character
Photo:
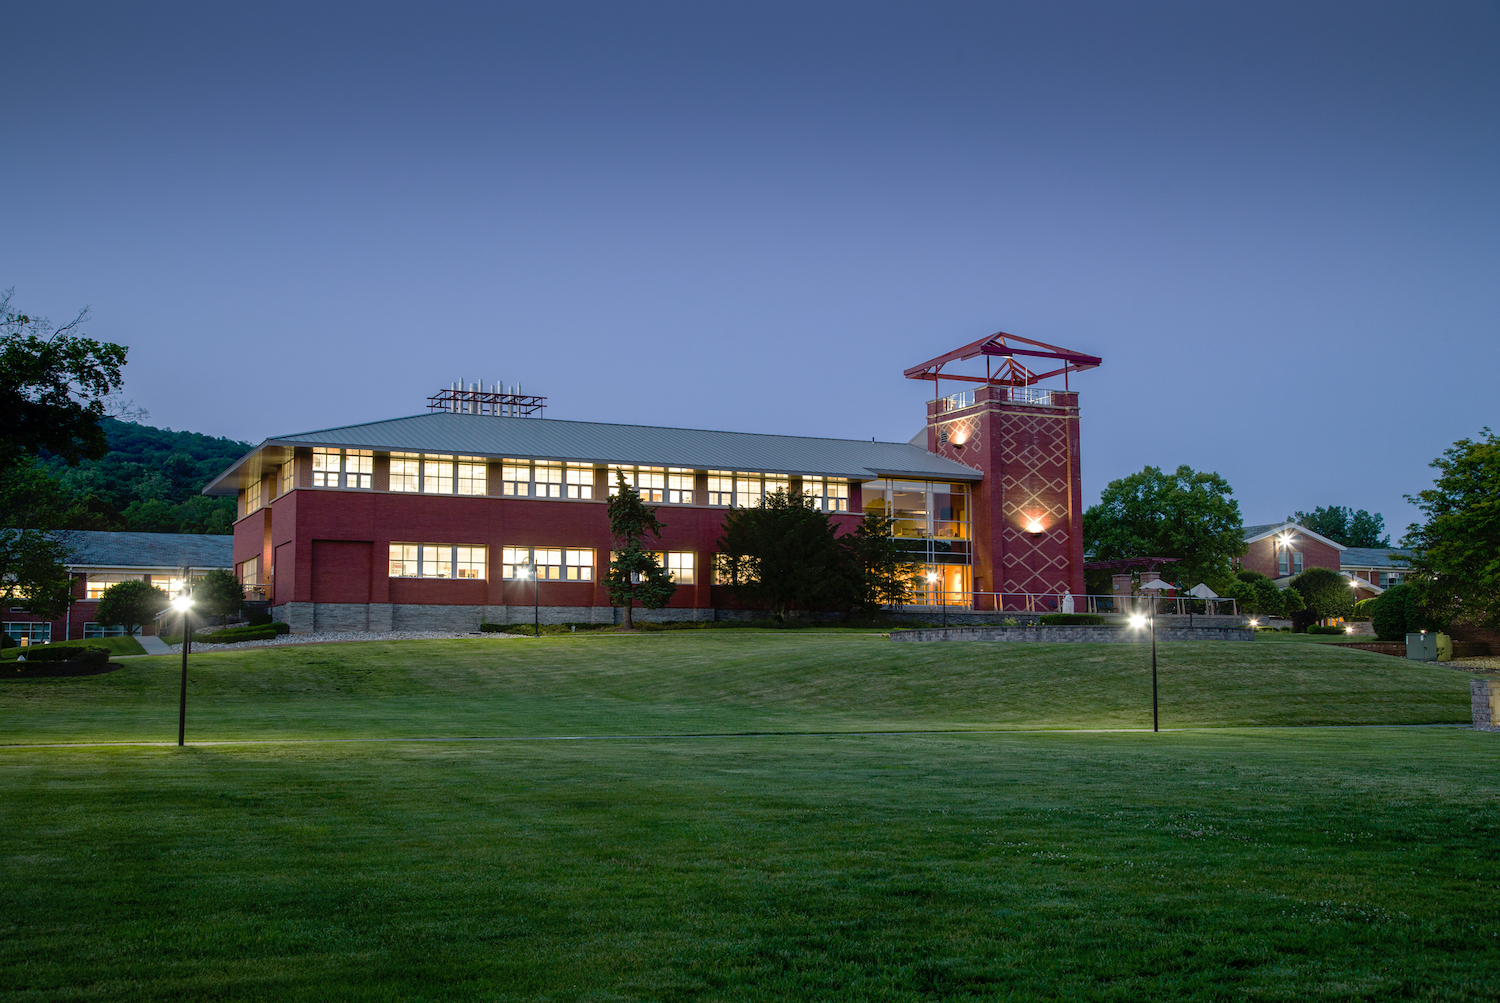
1011	373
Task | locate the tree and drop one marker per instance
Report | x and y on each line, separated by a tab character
1456	552
1185	514
1326	592
1391	615
130	604
1345	526
785	555
218	593
53	384
634	574
1257	595
886	576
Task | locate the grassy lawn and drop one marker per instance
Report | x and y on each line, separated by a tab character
696	682
1228	863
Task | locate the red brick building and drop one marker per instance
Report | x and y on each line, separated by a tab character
98	560
1283	550
432	521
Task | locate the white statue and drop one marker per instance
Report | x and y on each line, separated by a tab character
1067	602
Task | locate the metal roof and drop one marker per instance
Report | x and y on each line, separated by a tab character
584	441
94	549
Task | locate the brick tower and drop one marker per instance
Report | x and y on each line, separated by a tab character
1028	510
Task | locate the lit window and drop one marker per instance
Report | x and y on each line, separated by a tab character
548	563
580	481
468	562
578	565
359	469
326	468
404	469
679	486
720	487
437	477
252	496
471	475
649	482
747	490
437	562
288	476
515	478
680	567
548	480
99	581
723	570
249	572
404	560
775	483
515	560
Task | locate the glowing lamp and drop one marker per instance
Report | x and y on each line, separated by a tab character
1033	527
1137	621
182	604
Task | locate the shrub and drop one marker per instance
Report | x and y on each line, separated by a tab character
264	632
1326	592
1302	619
257	617
69	653
1073	620
6	641
1391	615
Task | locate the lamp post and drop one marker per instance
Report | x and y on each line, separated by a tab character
183	604
536	610
1139	621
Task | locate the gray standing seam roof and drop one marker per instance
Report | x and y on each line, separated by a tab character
1375	557
92	548
553	439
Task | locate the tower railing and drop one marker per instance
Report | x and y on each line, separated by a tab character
1055	602
1034	396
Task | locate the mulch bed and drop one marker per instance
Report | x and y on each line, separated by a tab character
42	670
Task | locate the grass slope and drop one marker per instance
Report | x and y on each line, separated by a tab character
1305	865
695	682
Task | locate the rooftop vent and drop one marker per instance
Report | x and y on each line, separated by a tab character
496	402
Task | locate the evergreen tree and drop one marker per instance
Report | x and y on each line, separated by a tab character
785	555
635	575
219	594
886	575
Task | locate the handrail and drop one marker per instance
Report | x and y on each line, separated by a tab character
1054	602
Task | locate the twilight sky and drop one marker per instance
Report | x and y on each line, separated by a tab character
1277	223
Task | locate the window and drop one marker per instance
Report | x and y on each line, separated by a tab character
326	468
252	496
288	476
404	470
35	633
826	495
680	567
1296	562
649	482
334	468
515	478
720	487
404	560
437	476
547	479
436	560
359	469
472	475
247	573
724	571
746	490
551	563
580	481
98	581
102	630
679	486
1283	562
777	482
579	565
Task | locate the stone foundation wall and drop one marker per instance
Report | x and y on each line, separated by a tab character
307	618
1086	635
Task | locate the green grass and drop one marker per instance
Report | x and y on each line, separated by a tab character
696	682
116	646
1286	863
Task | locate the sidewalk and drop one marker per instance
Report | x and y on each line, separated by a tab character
153	644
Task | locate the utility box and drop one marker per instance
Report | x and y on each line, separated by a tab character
1422	647
1444	648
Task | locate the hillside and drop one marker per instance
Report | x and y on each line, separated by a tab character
148	482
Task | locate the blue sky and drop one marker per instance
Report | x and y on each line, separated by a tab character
1276	223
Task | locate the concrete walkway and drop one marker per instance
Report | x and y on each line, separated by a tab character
154	645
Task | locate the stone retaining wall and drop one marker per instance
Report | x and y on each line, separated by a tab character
1086	635
306	617
1484	699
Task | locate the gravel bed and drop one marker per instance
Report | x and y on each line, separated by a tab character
348	635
